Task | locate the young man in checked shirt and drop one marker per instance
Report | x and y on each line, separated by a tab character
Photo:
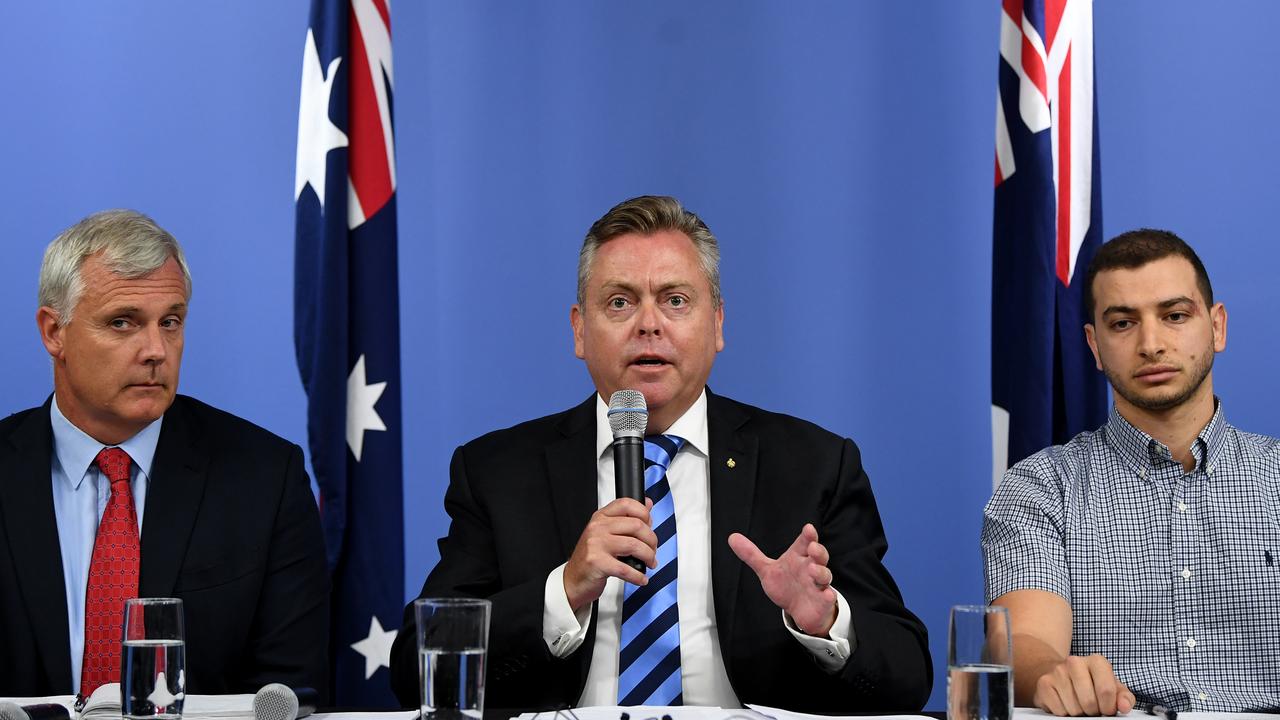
1138	561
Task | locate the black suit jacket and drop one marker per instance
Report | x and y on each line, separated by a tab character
520	498
231	527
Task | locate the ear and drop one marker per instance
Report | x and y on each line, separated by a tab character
1218	317
576	321
720	327
1093	344
51	332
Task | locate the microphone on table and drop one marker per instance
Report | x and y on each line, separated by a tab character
628	418
43	711
280	702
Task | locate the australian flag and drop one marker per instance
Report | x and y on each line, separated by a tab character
1045	387
347	331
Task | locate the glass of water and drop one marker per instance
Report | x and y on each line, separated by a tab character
152	669
453	634
979	664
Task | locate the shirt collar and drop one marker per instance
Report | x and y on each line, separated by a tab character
1138	449
76	451
692	426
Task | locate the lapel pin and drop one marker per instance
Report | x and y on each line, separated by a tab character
730	462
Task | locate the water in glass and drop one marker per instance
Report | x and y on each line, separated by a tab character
154	682
452	684
979	692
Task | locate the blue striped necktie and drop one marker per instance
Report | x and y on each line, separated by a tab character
649	645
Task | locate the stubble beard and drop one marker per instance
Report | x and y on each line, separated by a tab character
1157	403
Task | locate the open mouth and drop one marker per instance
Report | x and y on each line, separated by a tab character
649	361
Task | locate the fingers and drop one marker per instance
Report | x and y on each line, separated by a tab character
1126	700
1105	686
748	553
617	530
1082	686
625	517
600	547
1047	698
820	575
807	536
818	553
627	507
1083	701
806	549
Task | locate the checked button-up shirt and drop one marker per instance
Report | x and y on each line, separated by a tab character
1173	576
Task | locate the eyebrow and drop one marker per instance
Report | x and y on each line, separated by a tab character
1163	305
632	287
134	309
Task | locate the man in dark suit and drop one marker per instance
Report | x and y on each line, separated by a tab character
198	504
815	622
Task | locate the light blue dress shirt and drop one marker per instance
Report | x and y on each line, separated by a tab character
80	494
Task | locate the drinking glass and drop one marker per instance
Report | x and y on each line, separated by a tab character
979	664
152	668
453	635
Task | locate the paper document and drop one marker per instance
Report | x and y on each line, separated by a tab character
1038	714
104	703
688	712
780	714
645	712
380	715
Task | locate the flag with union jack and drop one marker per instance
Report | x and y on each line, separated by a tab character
1048	224
347	331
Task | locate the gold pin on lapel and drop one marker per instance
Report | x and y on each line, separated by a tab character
730	462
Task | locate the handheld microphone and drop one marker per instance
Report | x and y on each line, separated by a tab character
628	418
43	711
280	702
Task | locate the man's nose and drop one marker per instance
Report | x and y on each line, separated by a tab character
153	348
648	318
1151	339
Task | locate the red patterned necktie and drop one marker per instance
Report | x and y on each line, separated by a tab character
113	576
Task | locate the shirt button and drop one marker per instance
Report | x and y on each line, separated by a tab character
1202	696
1182	507
1191	642
1186	573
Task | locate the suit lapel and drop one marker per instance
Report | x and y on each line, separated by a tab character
571	473
173	498
733	481
26	499
571	482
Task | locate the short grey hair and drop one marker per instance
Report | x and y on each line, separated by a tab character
132	246
646	215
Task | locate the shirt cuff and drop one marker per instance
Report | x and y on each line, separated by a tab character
562	630
834	653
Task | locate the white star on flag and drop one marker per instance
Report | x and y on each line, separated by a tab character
361	414
317	134
376	648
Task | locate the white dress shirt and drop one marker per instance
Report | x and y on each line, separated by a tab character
704	679
80	495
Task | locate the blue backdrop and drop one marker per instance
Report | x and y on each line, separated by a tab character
842	152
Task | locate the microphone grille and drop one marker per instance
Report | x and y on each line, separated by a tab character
275	702
12	711
628	413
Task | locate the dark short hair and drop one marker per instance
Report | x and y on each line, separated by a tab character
1136	248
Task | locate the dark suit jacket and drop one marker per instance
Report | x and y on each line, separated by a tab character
520	498
231	527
